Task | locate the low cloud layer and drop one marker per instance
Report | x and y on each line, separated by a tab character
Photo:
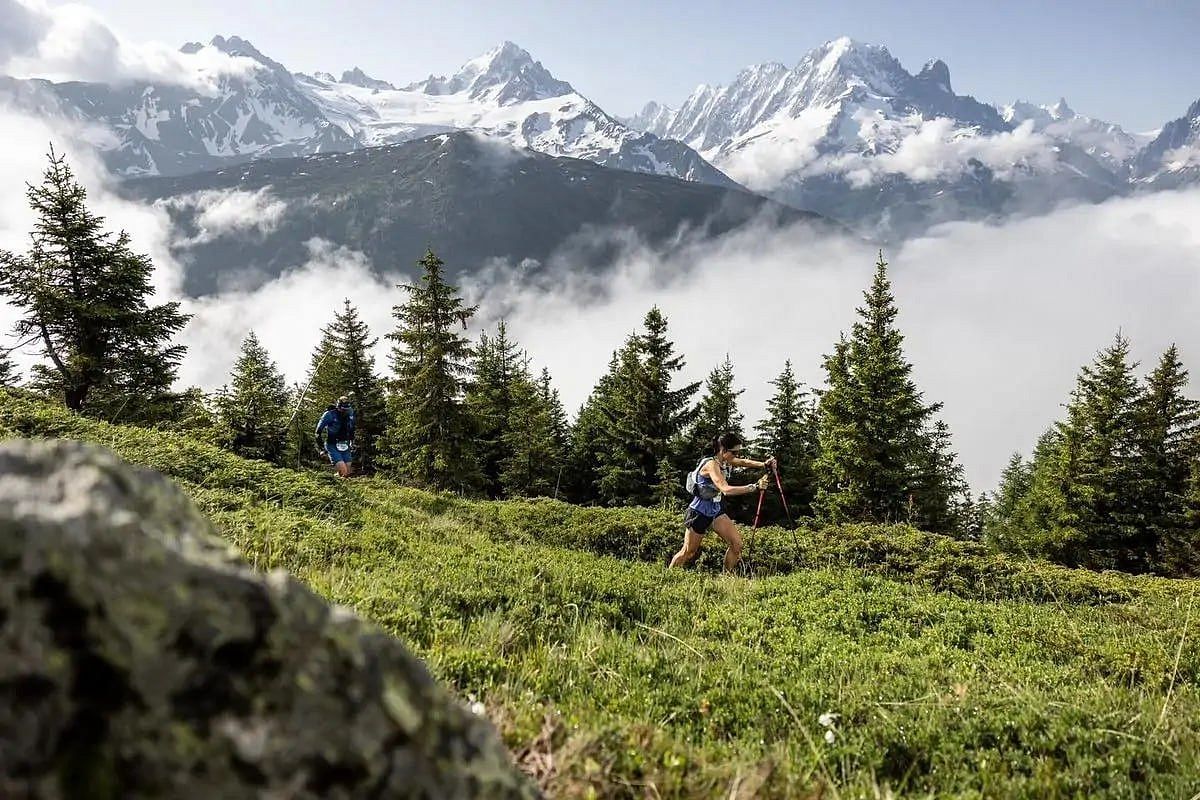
763	159
998	319
287	314
1186	157
936	150
221	212
922	150
72	42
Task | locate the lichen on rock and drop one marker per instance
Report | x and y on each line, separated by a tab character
140	657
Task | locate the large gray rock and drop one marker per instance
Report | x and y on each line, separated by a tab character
139	657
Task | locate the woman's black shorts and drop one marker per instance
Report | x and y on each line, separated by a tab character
698	522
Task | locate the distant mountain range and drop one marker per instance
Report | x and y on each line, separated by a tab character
473	199
164	129
847	133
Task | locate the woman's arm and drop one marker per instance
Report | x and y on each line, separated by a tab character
747	463
713	470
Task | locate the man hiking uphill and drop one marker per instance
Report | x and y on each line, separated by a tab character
710	483
338	424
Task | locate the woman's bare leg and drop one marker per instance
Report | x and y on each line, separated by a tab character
691	546
725	528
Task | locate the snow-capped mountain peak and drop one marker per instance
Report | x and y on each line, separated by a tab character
356	77
651	115
842	63
506	74
237	46
845	95
1172	158
1061	110
508	95
936	72
1104	141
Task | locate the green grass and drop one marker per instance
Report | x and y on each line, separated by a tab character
954	672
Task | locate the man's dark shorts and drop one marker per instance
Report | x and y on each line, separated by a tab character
336	455
697	522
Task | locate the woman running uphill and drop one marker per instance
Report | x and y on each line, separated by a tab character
706	511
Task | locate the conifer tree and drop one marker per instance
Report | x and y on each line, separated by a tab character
976	516
9	377
83	296
789	432
342	364
431	434
1099	467
645	415
560	427
1003	523
197	417
1086	488
1034	522
589	438
531	461
252	409
874	438
940	500
667	489
1182	555
490	398
717	412
1168	429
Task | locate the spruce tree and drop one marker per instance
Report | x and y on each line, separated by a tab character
940	500
83	294
531	460
560	427
9	377
1182	555
789	432
1032	523
252	409
874	439
1004	521
1086	492
196	417
977	512
589	438
839	462
431	433
1099	465
717	412
1168	427
645	415
496	369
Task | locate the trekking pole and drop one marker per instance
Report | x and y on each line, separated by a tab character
779	486
750	539
762	493
786	510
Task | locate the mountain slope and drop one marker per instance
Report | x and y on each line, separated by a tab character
471	197
1173	158
891	661
849	133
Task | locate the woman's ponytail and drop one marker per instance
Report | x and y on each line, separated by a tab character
726	440
714	446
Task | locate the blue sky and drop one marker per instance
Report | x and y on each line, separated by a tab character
1134	63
